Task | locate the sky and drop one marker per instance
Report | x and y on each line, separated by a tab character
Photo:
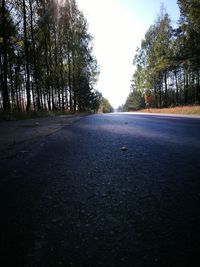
118	26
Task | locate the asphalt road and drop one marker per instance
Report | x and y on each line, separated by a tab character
75	198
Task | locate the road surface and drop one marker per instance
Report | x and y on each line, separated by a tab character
108	190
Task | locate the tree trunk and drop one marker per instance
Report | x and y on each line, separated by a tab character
38	104
4	83
166	89
69	81
74	80
198	88
28	95
16	89
56	67
186	87
13	104
176	81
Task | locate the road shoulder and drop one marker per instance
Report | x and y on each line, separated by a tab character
14	134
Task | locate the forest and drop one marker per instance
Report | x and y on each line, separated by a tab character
47	61
167	64
46	57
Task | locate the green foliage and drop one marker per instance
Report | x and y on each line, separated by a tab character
134	101
47	60
189	33
105	106
167	62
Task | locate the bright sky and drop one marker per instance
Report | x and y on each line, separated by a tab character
118	27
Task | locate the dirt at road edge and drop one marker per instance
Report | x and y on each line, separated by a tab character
14	134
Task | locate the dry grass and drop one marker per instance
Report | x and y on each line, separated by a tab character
185	110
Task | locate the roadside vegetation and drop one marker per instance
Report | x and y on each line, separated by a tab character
47	63
167	64
10	116
105	106
184	110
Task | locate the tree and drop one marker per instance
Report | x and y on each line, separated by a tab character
47	60
6	30
105	106
134	101
26	52
167	63
189	36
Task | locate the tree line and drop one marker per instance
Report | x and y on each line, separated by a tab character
105	106
46	57
168	61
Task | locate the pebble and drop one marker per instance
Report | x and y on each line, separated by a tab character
123	148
